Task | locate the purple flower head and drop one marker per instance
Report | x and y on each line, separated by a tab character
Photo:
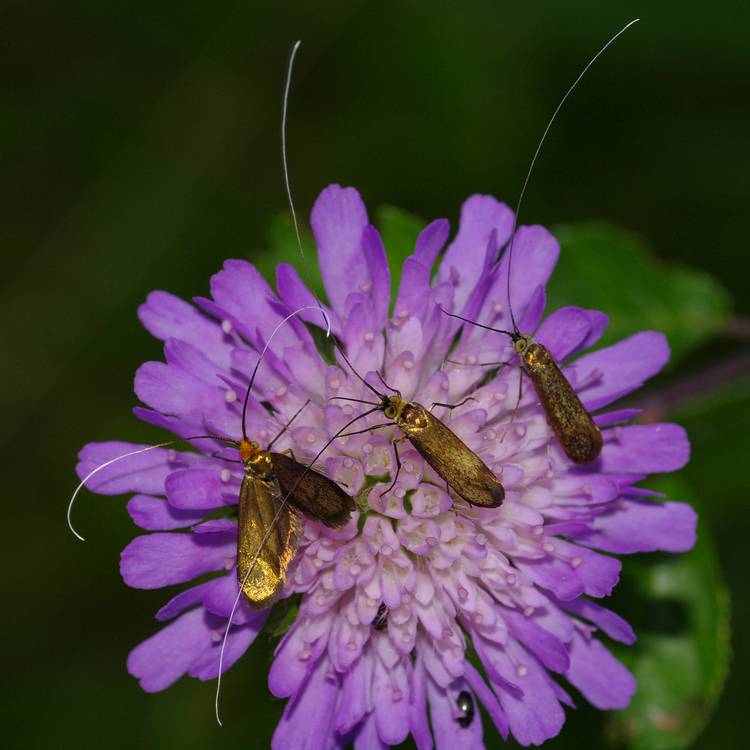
392	604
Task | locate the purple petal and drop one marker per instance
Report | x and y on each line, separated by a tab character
535	252
187	357
597	325
165	657
564	331
449	734
156	560
144	472
463	260
166	316
391	702
367	736
197	489
221	594
292	663
584	571
307	721
603	681
536	715
612	624
380	274
545	646
353	699
418	722
338	220
644	526
430	242
182	601
206	665
605	419
644	449
171	390
241	290
621	368
295	295
488	700
156	514
414	288
217	525
534	310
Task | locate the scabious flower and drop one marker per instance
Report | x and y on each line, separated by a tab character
420	598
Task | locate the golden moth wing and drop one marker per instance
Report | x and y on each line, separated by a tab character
267	562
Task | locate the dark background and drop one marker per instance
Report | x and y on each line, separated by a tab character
139	148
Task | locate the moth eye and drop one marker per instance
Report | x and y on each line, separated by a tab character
390	412
520	346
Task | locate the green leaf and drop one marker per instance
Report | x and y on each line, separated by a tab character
681	658
612	270
399	230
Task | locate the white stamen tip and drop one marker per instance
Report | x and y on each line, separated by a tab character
226	326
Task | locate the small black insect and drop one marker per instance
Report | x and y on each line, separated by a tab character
465	704
380	622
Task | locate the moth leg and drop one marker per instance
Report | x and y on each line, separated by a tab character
398	468
289	452
515	408
452	406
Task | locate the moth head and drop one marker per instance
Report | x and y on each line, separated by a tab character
248	450
521	343
393	406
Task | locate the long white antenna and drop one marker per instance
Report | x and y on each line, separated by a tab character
284	107
539	148
104	466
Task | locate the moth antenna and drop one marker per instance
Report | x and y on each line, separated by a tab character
265	349
263	541
288	424
351	367
480	325
284	108
539	148
111	461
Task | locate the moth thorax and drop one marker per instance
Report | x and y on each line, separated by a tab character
413	416
258	462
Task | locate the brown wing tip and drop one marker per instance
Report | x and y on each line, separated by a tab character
588	451
497	491
340	517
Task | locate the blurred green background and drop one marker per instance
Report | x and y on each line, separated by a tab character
139	149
